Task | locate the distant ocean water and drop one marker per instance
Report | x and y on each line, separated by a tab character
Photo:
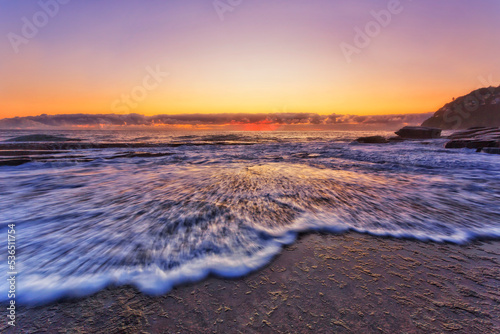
155	208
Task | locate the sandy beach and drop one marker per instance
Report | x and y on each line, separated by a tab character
350	283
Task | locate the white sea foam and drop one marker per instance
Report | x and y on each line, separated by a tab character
159	221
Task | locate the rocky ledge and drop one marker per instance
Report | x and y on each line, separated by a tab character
483	139
372	140
419	132
406	133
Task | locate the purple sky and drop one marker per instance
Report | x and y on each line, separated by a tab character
260	56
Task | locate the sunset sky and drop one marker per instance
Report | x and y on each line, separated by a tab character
258	56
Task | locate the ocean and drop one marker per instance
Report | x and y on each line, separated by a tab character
160	208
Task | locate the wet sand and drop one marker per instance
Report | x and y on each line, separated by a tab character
350	283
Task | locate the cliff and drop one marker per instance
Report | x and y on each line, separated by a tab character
478	108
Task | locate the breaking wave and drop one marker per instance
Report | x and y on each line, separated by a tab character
156	220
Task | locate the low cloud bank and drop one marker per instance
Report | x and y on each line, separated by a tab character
206	121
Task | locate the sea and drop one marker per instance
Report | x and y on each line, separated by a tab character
156	208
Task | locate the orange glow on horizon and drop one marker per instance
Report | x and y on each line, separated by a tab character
265	58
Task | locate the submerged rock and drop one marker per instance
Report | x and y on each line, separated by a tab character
396	138
477	144
372	140
14	162
491	150
419	132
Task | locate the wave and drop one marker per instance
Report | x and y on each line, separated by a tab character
155	225
41	138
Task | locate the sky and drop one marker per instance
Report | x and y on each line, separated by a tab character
365	57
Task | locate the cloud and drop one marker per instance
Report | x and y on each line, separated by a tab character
229	121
